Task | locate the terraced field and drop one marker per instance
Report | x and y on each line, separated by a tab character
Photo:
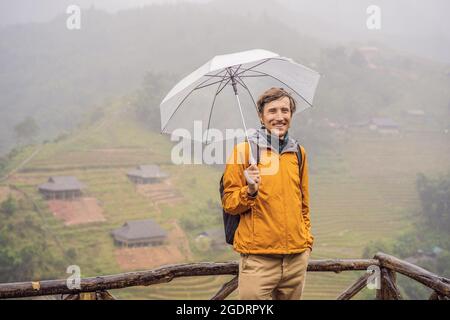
160	193
182	288
372	197
363	191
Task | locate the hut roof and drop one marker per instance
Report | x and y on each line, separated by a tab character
216	234
416	112
139	229
62	183
148	171
384	122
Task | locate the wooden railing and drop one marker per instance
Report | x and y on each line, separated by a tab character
97	287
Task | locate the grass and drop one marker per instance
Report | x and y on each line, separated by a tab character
362	191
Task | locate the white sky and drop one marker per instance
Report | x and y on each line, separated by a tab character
23	11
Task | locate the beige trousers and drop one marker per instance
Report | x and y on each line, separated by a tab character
274	276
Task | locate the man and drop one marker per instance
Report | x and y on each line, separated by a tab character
274	233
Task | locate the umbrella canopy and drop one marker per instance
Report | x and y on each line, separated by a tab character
208	95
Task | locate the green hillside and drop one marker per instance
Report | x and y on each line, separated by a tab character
55	76
362	190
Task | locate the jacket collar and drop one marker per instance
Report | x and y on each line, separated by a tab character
262	137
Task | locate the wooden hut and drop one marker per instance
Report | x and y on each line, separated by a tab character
146	174
384	125
216	237
62	187
139	233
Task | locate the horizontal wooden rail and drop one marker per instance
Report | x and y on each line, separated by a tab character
160	275
439	284
96	287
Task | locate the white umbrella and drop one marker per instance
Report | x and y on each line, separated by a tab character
203	96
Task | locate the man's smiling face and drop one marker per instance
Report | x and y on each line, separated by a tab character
276	116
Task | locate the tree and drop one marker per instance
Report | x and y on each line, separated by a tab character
8	206
358	59
154	87
2	164
26	130
24	251
435	200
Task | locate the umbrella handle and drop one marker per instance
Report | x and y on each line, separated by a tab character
247	177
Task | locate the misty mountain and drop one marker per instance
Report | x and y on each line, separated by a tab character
30	11
416	26
56	75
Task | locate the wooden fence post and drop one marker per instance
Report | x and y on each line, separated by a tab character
388	287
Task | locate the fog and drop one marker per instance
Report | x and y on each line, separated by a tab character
26	11
415	26
125	39
85	102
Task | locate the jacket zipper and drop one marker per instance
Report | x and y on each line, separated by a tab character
284	205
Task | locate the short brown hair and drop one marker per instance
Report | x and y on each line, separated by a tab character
273	94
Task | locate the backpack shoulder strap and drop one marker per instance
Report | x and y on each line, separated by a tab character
299	160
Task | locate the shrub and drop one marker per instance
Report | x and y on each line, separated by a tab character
9	206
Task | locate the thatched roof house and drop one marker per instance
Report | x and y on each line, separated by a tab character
144	174
61	187
384	125
139	233
216	237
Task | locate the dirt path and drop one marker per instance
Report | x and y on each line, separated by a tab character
77	211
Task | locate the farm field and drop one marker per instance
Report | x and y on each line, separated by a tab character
362	191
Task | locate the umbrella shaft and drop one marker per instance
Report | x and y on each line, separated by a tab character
252	160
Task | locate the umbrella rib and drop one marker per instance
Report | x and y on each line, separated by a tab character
237	69
210	84
279	59
249	93
212	106
253	75
217	75
212	76
239	80
228	81
203	85
269	75
182	101
250	69
237	75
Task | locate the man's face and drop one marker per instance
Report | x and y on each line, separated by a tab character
276	116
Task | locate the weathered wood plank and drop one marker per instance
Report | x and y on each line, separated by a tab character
87	296
390	279
105	295
440	284
338	265
356	287
160	275
100	295
436	296
226	289
388	289
118	281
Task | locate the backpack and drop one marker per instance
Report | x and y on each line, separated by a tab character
230	221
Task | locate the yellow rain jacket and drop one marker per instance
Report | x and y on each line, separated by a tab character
277	220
